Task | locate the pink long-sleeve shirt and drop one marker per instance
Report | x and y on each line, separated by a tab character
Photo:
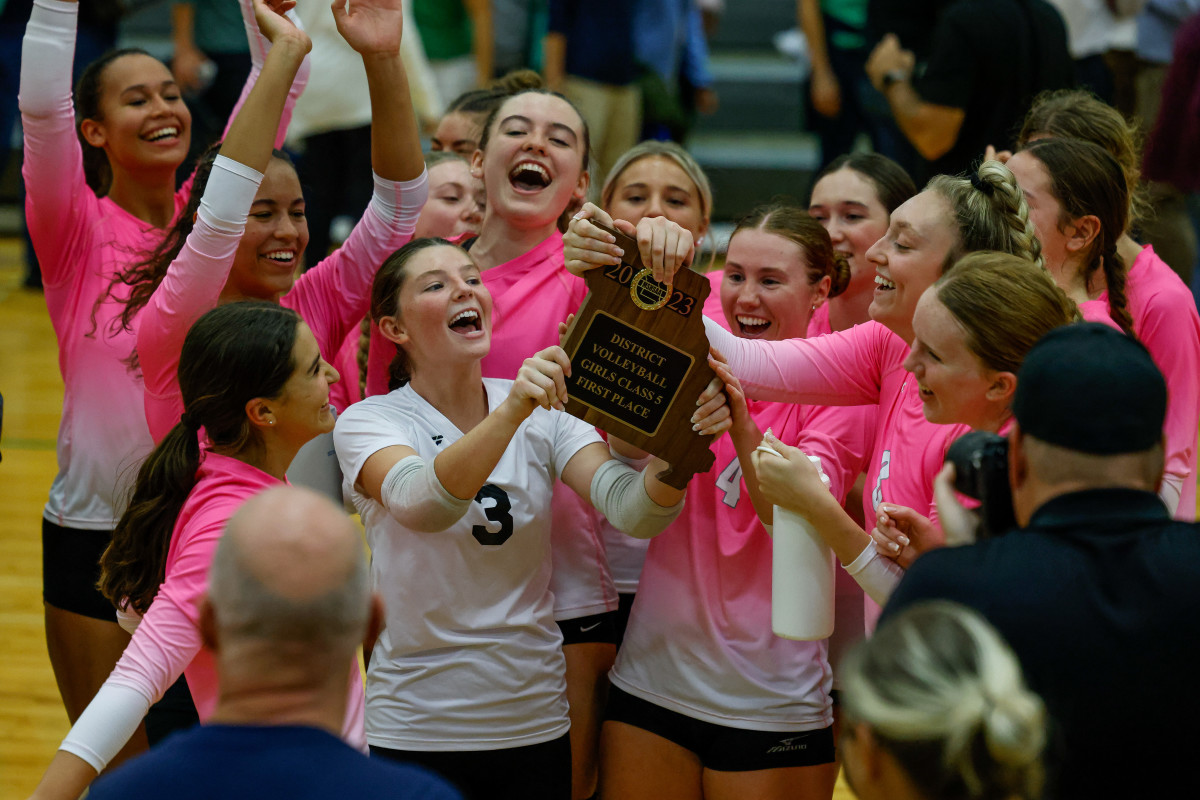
167	641
699	640
862	365
82	242
1165	319
331	298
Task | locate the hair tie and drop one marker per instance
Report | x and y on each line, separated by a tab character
982	185
186	420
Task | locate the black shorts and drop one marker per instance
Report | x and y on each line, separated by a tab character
70	569
719	747
600	628
534	772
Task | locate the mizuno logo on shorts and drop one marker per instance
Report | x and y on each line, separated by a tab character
788	745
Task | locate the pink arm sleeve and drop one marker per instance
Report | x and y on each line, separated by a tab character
1172	338
165	642
58	202
258	56
191	287
335	295
844	368
842	436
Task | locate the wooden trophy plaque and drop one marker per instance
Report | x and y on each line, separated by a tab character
639	361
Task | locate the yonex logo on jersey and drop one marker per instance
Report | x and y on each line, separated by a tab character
787	746
437	439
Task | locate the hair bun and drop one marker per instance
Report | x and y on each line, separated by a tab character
518	80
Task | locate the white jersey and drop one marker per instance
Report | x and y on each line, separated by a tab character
471	658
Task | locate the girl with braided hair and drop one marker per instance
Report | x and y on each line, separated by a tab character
1079	203
1076	189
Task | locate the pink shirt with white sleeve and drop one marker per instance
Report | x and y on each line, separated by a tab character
167	641
332	297
81	241
1165	319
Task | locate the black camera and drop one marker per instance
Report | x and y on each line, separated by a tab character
980	462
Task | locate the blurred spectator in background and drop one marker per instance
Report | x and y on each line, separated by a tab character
210	63
669	41
589	57
516	35
1170	154
457	37
710	15
1101	34
836	31
987	61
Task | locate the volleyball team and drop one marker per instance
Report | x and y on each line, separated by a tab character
559	622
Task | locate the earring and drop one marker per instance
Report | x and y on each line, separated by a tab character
270	422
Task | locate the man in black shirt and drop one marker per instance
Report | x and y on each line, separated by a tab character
987	60
1099	593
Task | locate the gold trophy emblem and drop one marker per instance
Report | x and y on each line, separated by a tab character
647	293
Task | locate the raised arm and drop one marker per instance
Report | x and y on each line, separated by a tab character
335	295
259	46
163	645
193	283
59	203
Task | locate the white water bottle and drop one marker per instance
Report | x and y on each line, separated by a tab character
802	575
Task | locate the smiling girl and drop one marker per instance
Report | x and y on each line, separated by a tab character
96	192
244	230
254	381
532	159
853	199
971	331
454	486
1161	306
706	700
865	365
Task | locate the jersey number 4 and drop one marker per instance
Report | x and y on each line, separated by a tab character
497	512
730	482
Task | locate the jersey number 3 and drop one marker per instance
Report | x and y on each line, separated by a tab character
497	512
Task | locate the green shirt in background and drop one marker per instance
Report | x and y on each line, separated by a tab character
850	34
445	28
218	27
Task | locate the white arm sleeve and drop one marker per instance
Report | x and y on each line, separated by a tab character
416	499
878	576
106	725
619	493
228	196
